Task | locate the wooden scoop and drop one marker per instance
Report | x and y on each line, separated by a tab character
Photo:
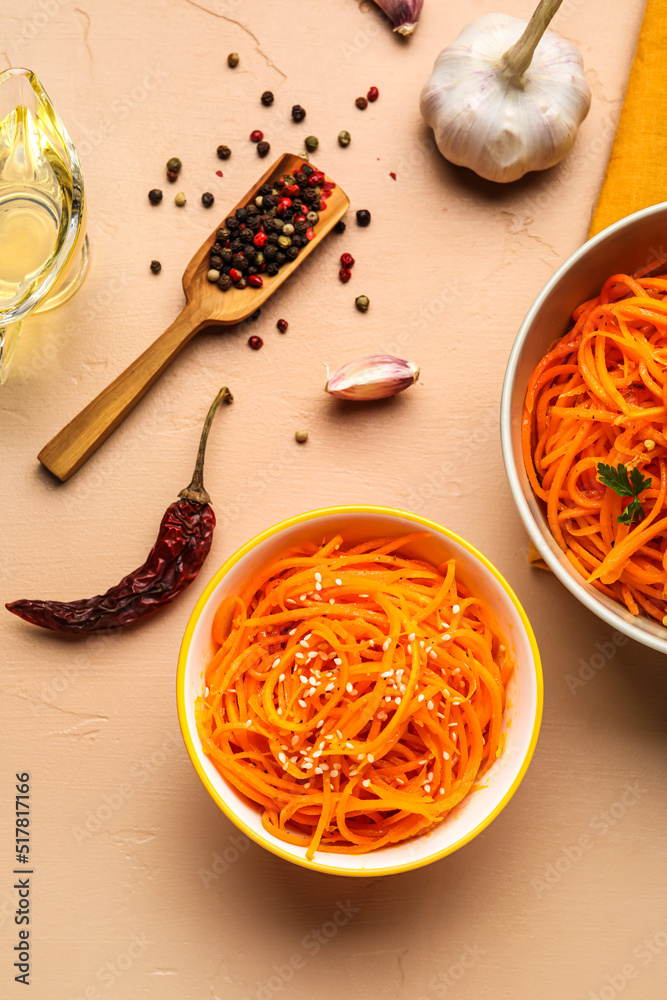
205	305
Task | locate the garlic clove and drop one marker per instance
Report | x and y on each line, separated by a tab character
404	14
507	96
374	377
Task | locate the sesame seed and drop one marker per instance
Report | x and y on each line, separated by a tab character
353	773
387	673
427	788
334	774
329	687
302	703
441	792
282	758
324	767
382	716
366	782
299	656
318	770
371	642
409	648
304	642
332	600
281	678
318	586
361	756
446	636
339	734
317	753
320	724
433	655
397	700
318	577
303	597
307	765
445	755
420	697
248	724
422	643
311	656
329	737
430	775
350	746
456	609
303	678
430	706
295	740
348	687
291	631
307	785
276	662
337	661
453	723
370	758
311	680
411	637
339	583
386	644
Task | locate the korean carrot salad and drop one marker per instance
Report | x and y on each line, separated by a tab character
355	694
594	439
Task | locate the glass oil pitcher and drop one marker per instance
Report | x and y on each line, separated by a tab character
43	245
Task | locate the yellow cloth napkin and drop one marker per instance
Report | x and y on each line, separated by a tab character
636	175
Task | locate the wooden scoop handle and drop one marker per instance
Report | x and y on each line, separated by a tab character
75	443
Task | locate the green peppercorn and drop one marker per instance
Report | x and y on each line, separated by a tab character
155	196
207	199
233	59
259	258
312	218
307	170
284	241
174	165
362	303
301	436
278	223
156	266
288	229
344	138
180	199
224	152
311	143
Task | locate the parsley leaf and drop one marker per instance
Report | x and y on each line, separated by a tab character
625	485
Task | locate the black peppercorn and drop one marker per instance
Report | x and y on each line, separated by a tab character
207	199
265	189
253	270
292	252
280	257
298	113
246	235
216	248
363	217
239	260
222	234
307	169
155	196
226	255
267	98
224	152
299	241
237	245
340	227
252	210
224	282
241	214
273	238
269	224
216	262
231	222
263	148
270	251
300	227
156	266
272	269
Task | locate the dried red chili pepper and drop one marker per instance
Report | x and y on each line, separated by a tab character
183	542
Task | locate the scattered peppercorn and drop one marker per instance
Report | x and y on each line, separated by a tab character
392	175
224	282
233	59
224	152
344	138
282	325
347	260
298	113
180	199
267	98
174	165
219	173
155	196
256	135
311	143
361	103
362	303
373	94
263	148
172	176
340	226
156	266
207	199
301	436
363	217
345	274
255	342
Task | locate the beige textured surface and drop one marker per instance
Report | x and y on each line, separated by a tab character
564	895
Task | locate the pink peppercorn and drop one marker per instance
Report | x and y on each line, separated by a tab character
256	136
344	274
282	325
373	94
255	281
260	239
255	342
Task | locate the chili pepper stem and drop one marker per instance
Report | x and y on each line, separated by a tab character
195	491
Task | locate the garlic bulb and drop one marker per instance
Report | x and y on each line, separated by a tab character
404	14
503	106
374	377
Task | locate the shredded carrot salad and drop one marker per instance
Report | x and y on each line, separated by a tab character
600	396
355	695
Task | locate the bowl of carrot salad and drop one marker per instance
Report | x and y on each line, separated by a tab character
584	425
359	690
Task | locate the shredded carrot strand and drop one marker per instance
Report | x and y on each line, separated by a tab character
355	695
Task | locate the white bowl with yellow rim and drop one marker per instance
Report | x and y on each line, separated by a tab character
524	693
